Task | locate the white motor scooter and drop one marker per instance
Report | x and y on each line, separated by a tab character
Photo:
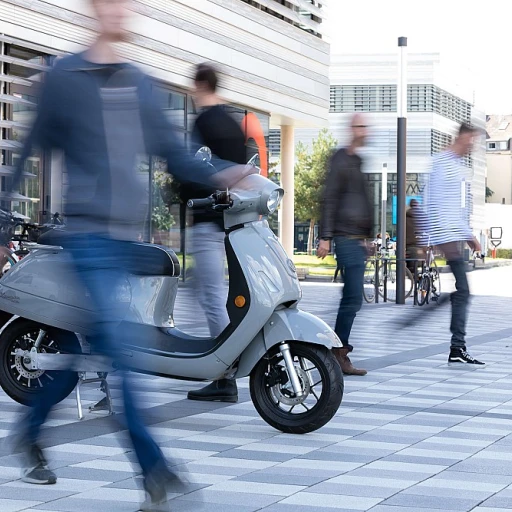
295	382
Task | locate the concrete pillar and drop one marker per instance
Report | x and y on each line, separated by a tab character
287	224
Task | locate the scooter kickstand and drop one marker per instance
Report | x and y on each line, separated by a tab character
81	378
105	404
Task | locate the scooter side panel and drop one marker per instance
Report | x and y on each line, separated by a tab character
271	279
152	299
44	287
209	367
250	356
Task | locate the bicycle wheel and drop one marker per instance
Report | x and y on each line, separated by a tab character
387	275
423	290
409	283
369	282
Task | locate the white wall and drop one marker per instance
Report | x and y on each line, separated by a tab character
499	176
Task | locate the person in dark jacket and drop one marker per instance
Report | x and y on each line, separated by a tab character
347	221
413	221
219	131
98	110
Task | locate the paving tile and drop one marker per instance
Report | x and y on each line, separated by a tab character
360	490
231	498
286	479
256	488
91	474
81	505
331	501
490	509
392	508
412	501
29	492
486	466
502	499
179	505
283	507
7	505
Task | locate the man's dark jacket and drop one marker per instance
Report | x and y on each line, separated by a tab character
346	208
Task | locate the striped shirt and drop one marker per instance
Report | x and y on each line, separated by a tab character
447	200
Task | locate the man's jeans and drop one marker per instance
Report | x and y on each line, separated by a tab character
207	241
100	264
351	255
460	297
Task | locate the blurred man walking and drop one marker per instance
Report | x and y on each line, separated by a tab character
99	111
347	221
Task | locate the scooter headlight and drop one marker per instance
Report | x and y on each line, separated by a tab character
273	201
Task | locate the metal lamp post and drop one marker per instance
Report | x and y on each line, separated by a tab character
383	219
401	169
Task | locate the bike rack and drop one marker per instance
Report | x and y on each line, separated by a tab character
384	263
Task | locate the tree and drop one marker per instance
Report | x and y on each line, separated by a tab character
488	193
310	172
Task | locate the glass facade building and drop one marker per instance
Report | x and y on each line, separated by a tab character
22	73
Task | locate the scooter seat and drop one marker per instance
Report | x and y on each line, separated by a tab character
151	259
155	260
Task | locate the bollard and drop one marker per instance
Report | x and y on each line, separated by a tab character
385	279
415	283
376	284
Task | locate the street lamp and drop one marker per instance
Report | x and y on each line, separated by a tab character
401	169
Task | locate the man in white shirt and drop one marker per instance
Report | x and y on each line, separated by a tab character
448	226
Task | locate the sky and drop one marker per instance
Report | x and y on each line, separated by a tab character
471	33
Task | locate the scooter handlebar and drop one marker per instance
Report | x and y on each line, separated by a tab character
201	203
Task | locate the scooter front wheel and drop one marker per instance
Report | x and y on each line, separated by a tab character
322	388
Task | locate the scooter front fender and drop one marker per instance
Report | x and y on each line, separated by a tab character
290	324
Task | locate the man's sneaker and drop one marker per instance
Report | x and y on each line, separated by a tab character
36	468
459	355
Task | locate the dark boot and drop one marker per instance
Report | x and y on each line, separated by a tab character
341	355
224	390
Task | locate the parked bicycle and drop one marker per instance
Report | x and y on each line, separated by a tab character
385	276
8	257
429	280
18	237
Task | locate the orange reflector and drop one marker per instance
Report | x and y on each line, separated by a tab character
240	301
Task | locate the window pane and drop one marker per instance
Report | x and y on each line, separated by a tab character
173	105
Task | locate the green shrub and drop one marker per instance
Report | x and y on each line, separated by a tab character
504	254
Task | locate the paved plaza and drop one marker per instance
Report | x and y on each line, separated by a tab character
413	435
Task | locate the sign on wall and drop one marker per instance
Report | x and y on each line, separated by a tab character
407	201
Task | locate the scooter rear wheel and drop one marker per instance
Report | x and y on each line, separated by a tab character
322	386
23	384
